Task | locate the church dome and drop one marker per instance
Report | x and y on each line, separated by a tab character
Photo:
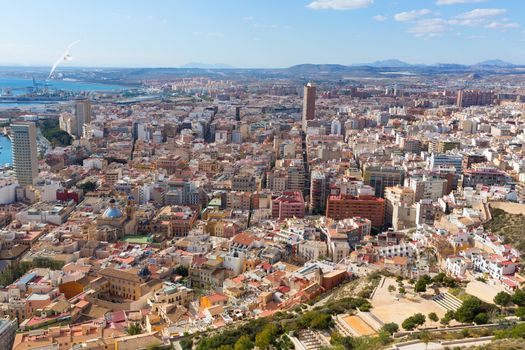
112	212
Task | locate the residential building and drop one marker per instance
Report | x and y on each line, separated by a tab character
341	207
288	205
24	152
381	177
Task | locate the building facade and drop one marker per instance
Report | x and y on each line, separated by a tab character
25	152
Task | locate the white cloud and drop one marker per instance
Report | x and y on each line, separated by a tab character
410	15
453	2
379	18
339	4
500	25
477	17
481	13
428	27
474	22
248	18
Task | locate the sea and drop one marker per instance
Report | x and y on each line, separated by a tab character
6	156
19	87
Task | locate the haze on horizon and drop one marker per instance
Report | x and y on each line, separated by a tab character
261	34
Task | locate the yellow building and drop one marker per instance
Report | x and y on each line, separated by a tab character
129	284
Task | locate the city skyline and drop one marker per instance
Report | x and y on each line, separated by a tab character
255	34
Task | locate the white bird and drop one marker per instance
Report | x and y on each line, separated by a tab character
65	57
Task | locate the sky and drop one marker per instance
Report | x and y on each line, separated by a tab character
260	33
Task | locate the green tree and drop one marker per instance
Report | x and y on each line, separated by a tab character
520	312
420	286
426	279
518	331
391	327
518	297
244	343
502	299
181	271
419	318
449	282
401	290
186	344
481	318
321	321
58	137
391	288
439	277
425	338
449	316
414	321
468	310
433	317
88	186
266	336
134	329
409	324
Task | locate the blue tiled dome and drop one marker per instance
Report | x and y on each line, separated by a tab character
112	213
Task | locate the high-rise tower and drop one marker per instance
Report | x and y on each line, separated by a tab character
82	115
25	152
308	104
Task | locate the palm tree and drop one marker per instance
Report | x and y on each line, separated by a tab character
425	338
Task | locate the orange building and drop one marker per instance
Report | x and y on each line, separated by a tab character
341	207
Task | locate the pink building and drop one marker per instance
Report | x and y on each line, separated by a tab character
288	205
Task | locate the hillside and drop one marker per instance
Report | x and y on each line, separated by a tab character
508	225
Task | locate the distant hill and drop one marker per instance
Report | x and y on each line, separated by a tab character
496	63
318	67
201	65
395	63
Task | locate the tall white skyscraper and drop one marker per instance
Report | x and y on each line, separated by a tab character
25	152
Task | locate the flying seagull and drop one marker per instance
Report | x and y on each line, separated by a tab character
65	57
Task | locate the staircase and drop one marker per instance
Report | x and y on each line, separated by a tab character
447	301
312	340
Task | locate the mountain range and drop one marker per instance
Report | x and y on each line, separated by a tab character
200	65
388	63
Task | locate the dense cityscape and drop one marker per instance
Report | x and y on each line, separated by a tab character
320	206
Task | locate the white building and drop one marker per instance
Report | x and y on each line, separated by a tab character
457	266
335	127
312	250
92	163
8	190
436	160
426	187
494	265
49	191
403	249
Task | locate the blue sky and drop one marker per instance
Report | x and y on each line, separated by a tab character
260	33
